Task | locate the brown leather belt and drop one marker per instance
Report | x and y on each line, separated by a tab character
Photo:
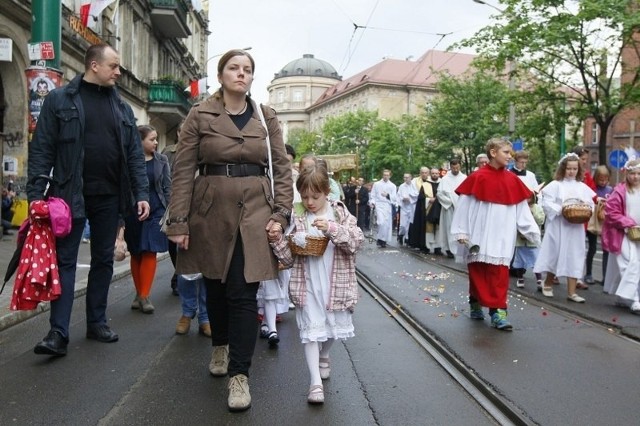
232	170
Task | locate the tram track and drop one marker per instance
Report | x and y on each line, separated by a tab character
503	411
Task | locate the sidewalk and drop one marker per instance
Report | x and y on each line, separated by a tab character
9	318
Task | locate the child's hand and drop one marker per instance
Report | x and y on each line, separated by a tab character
321	224
274	231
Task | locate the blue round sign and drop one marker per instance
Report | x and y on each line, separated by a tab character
617	158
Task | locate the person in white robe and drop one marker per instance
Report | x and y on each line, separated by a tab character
448	199
623	213
383	197
563	249
407	197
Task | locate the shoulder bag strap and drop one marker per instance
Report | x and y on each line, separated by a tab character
264	123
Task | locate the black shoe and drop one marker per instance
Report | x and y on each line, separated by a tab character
437	252
54	344
273	340
450	255
174	285
101	333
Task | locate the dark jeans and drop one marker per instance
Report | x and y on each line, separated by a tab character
233	314
102	212
592	242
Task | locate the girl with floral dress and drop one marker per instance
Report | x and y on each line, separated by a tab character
323	288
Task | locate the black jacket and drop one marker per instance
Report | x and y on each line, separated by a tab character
58	144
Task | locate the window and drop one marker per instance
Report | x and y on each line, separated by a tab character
594	133
297	96
280	96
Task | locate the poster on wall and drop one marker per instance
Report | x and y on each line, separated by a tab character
40	81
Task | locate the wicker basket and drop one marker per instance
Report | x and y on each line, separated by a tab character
634	233
576	211
315	246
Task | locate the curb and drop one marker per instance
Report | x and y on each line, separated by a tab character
16	317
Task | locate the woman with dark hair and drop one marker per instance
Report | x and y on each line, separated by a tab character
144	238
220	218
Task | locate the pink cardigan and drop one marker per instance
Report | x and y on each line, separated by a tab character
616	220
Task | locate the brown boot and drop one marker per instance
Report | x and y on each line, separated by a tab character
205	329
183	325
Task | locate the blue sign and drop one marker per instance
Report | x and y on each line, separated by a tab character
617	158
518	144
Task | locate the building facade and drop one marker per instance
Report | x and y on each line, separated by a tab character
161	44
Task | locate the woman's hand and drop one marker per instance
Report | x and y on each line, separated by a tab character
274	231
182	241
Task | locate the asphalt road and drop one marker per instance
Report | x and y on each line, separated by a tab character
151	376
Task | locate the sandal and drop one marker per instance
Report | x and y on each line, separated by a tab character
547	291
316	395
264	331
325	368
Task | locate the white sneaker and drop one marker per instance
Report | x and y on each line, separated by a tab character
520	283
219	361
635	308
239	396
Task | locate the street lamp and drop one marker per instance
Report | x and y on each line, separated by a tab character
512	70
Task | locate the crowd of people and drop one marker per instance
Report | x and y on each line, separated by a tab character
230	186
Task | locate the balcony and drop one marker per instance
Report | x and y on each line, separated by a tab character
168	101
169	18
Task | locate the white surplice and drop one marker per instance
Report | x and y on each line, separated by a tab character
623	270
383	209
492	227
448	199
407	197
563	247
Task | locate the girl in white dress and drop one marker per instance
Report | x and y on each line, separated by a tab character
623	212
323	288
563	249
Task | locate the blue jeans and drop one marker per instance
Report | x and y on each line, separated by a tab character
86	233
193	295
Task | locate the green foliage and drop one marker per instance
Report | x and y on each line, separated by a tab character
574	47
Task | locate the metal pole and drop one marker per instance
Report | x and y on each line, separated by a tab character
46	16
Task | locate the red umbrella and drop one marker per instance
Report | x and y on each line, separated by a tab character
37	278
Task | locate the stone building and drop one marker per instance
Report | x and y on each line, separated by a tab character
296	87
161	44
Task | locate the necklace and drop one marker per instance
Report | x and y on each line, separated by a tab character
237	113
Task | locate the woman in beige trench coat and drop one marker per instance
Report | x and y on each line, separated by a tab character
220	219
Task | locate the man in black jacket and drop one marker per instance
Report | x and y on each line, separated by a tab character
88	136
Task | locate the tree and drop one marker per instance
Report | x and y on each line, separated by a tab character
468	111
303	141
575	47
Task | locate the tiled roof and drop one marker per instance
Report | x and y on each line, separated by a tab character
423	72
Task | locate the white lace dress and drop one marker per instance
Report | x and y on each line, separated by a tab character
316	323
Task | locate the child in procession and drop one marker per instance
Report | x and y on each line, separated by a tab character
491	209
323	288
563	250
527	252
622	212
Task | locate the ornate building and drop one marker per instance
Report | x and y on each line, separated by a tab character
161	44
296	87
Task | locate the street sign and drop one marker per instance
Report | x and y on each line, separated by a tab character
46	50
617	158
518	144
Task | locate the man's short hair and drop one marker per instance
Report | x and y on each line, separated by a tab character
454	162
95	53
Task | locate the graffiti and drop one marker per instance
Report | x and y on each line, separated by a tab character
12	139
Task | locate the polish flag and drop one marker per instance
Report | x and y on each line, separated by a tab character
197	87
90	10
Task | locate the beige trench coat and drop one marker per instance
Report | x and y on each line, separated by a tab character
214	210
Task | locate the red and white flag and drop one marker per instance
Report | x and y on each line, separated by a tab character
90	11
197	87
